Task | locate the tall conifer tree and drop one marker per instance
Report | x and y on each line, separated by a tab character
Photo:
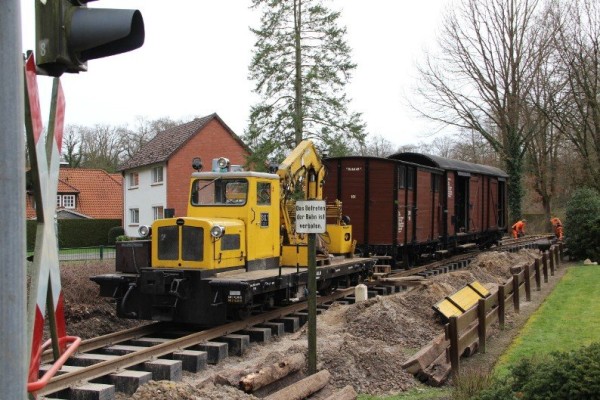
301	66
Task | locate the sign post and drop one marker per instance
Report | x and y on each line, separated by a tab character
311	219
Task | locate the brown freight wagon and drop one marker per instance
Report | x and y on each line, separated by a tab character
412	206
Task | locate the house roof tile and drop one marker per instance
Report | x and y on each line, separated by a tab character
167	142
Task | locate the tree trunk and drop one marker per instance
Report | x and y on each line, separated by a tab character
302	388
268	375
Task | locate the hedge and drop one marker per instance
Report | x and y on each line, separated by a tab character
74	233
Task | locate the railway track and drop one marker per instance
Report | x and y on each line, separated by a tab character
105	357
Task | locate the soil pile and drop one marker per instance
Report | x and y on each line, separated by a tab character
87	314
363	344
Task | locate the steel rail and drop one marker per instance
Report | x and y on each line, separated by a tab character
103	368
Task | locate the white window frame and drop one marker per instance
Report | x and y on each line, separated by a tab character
157	175
58	201
134	180
134	216
158	212
68	201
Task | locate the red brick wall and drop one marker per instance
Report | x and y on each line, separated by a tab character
212	141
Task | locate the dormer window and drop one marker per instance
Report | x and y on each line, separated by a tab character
65	201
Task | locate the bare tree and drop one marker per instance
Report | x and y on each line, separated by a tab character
71	150
102	146
489	52
143	131
577	105
376	146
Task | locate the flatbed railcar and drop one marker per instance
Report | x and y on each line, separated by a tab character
237	249
413	206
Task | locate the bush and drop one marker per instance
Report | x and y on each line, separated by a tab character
114	233
561	375
75	233
582	224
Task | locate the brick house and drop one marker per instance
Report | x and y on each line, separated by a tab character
157	177
84	193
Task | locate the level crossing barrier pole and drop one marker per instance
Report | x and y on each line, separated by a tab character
13	343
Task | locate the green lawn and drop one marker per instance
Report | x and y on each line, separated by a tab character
568	319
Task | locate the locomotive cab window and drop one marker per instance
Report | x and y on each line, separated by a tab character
263	193
219	192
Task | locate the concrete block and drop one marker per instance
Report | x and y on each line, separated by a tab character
215	352
87	359
63	370
258	334
164	370
148	341
382	290
290	324
237	343
302	317
93	391
128	381
120	349
192	360
277	328
372	293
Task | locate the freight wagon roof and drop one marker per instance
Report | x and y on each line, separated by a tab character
448	164
387	160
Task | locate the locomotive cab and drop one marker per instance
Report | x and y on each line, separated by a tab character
225	210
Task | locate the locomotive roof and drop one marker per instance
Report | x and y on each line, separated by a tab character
448	164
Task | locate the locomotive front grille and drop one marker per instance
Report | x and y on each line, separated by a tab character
192	245
191	238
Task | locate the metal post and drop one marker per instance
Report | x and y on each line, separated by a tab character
13	345
312	304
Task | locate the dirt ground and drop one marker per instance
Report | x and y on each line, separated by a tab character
363	345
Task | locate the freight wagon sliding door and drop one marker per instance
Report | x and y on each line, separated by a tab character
425	206
347	181
475	204
461	211
381	206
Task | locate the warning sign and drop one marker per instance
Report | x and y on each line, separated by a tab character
311	216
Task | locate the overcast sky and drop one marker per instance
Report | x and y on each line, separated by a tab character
196	54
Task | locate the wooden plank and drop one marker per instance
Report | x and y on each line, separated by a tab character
447	309
467	337
427	355
491	301
467	318
479	289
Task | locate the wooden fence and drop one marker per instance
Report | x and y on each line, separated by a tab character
472	327
468	332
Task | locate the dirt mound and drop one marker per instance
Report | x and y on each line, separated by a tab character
363	345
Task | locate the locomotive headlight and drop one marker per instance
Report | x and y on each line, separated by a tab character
144	231
217	231
223	162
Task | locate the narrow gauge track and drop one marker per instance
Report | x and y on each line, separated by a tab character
116	363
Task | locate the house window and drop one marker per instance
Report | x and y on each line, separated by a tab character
68	201
134	215
65	200
157	175
158	212
134	179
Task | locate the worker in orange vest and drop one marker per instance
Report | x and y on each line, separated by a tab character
518	229
558	228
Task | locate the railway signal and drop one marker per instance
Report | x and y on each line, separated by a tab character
68	34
